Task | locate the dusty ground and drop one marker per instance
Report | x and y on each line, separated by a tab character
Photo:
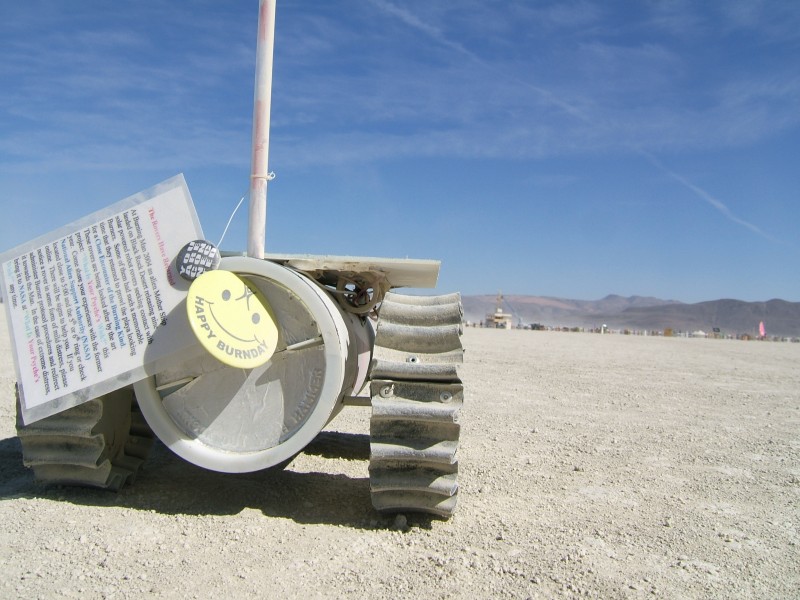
597	466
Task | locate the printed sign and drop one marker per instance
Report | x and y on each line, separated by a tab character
94	305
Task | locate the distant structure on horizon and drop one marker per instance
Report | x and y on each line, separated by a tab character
498	319
726	318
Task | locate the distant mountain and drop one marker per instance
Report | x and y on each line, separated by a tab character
644	313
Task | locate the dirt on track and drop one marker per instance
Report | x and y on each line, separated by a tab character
590	466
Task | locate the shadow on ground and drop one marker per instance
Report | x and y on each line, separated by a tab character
170	485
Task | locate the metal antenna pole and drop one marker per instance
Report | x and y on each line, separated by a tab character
259	171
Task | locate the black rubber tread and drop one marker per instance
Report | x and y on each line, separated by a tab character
101	443
416	398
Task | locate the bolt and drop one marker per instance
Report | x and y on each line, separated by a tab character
387	391
445	396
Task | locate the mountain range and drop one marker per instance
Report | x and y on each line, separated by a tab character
780	318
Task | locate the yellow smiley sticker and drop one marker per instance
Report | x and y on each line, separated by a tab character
231	320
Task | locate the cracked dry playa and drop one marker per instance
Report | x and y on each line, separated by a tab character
590	466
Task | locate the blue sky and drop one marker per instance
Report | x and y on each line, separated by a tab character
571	149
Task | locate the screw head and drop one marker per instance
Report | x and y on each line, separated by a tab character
445	396
387	391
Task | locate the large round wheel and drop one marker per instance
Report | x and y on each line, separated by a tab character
240	420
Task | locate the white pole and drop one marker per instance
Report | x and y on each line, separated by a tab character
259	173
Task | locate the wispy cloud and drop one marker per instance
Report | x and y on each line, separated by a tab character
613	90
631	133
96	95
578	79
412	20
436	35
717	204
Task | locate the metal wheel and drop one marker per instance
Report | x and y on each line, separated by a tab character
240	420
416	399
100	443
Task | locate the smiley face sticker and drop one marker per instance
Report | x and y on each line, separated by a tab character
231	320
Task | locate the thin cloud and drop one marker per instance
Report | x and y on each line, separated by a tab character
436	34
705	196
414	22
569	108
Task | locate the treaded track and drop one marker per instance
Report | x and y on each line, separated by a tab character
100	443
416	398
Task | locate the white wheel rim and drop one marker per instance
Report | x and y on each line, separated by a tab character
314	409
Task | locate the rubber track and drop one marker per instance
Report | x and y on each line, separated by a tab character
416	398
101	443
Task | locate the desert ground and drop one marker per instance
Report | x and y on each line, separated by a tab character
600	466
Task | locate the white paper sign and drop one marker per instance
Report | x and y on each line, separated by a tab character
92	306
